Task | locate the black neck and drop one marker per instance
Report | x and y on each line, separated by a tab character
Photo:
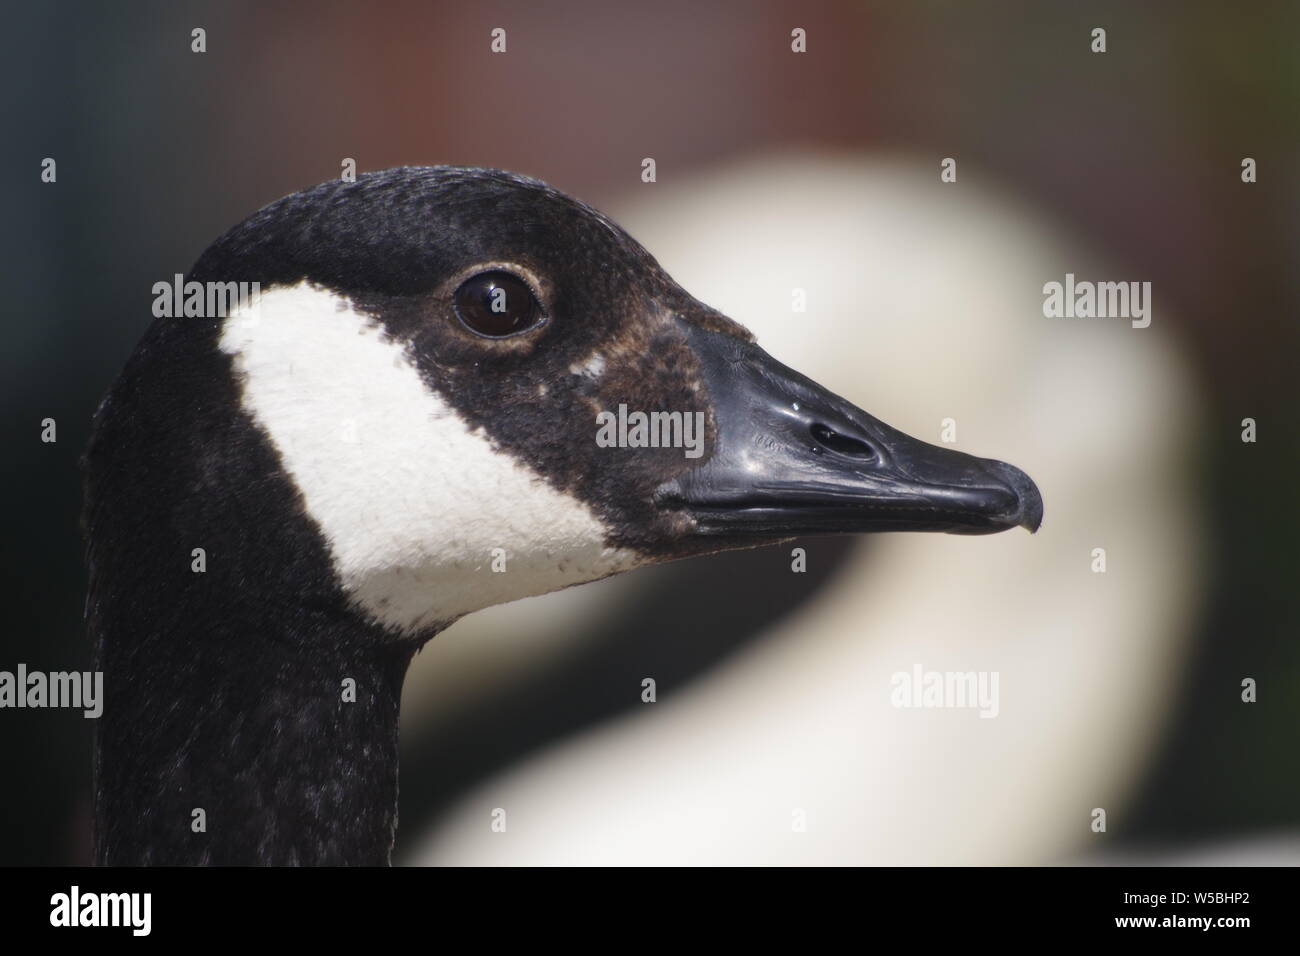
289	762
224	682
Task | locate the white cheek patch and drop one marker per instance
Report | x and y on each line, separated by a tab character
412	504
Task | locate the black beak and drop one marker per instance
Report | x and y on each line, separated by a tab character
791	458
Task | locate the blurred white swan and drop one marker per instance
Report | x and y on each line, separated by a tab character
924	303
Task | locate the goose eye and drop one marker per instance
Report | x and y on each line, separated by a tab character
496	304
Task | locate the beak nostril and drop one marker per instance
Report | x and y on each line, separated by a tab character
841	444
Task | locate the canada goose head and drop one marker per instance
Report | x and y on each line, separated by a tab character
458	387
457	366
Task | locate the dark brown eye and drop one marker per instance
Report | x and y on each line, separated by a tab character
496	304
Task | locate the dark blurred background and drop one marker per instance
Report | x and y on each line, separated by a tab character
1136	152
